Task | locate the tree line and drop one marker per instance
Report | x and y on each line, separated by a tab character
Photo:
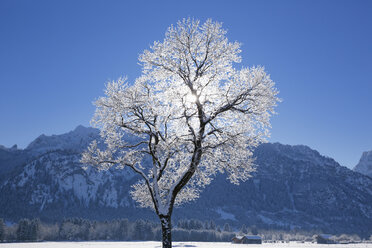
78	229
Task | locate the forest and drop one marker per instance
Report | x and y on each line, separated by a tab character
78	229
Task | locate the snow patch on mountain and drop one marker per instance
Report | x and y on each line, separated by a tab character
78	139
57	175
225	215
303	154
365	164
292	186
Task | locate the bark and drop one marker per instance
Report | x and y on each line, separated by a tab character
166	229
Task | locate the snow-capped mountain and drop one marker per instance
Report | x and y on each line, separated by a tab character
293	187
76	140
365	164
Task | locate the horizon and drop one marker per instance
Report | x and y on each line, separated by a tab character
57	57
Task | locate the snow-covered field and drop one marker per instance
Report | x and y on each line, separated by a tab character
152	244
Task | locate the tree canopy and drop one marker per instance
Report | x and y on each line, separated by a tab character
190	115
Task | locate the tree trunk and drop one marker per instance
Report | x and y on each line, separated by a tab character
166	229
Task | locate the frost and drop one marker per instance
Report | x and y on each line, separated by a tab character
192	114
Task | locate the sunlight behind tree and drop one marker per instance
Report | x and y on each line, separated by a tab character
192	115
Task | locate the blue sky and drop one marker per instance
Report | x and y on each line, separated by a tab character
56	56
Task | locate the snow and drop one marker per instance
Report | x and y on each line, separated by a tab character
365	164
81	136
27	174
64	169
225	215
153	244
191	112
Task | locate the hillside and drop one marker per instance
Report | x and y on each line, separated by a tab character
293	187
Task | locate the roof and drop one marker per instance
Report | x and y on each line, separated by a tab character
325	236
253	237
248	237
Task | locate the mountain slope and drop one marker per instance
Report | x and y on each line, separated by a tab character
293	187
365	164
11	159
76	140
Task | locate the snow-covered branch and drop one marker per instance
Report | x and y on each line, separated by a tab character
190	115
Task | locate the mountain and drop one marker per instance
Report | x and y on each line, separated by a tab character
50	182
10	159
365	164
293	187
76	140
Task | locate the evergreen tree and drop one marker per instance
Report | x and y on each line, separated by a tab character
192	224
195	224
24	230
84	229
139	228
184	224
254	230
2	230
243	229
147	231
212	225
226	227
206	225
123	230
34	229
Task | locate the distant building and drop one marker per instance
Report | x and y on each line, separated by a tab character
253	239
325	239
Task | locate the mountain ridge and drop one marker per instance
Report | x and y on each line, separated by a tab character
293	187
365	164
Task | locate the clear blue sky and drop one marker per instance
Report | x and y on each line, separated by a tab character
55	57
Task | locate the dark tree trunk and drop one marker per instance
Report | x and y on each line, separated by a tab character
166	229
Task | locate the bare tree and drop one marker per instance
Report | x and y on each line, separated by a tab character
191	114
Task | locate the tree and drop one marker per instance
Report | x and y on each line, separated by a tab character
28	229
254	230
139	230
243	229
206	225
23	229
35	229
123	230
226	227
2	229
212	225
190	115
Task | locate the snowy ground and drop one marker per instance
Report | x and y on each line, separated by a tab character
152	244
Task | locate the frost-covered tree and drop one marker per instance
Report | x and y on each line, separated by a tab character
189	116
